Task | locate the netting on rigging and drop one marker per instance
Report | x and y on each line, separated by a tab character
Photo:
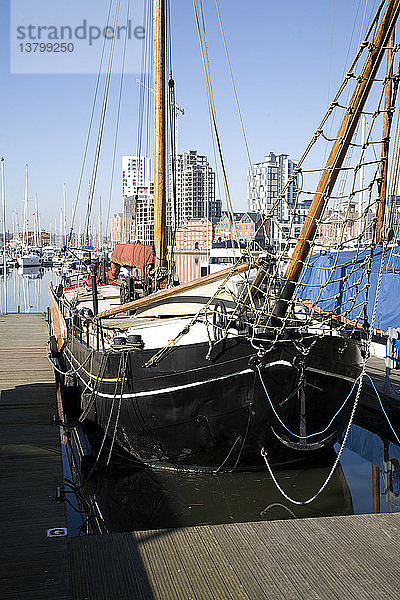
336	288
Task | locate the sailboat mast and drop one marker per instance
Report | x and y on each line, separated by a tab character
3	202
100	240
61	228
160	143
387	122
65	214
35	224
40	229
337	156
25	226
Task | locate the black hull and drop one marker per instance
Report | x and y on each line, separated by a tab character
193	412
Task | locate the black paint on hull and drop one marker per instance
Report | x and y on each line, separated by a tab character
190	412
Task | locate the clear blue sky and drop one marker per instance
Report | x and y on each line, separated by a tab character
286	56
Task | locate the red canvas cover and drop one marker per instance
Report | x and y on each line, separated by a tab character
133	255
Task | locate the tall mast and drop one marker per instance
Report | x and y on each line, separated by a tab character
336	157
61	242
35	224
3	202
39	229
387	122
100	242
160	144
17	228
25	226
65	214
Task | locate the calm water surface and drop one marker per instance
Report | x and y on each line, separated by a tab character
120	499
26	289
125	498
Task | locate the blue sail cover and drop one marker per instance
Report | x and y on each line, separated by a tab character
338	283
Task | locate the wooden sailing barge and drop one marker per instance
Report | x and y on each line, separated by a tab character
206	374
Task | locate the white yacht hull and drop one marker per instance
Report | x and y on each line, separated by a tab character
29	260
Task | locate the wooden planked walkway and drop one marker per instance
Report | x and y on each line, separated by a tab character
327	558
376	368
32	566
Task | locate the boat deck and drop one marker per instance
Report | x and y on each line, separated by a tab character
32	565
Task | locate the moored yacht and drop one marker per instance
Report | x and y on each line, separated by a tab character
30	258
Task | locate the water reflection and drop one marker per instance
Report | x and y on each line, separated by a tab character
127	499
31	272
139	498
382	455
26	289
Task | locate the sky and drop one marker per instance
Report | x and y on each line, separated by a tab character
288	58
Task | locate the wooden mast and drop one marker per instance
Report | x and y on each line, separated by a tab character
160	150
387	122
3	202
336	157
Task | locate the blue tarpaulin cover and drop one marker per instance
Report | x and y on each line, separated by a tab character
337	282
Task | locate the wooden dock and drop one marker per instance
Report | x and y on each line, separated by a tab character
326	558
376	369
32	565
380	391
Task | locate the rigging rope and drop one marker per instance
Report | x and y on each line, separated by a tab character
344	290
200	25
73	216
100	132
117	118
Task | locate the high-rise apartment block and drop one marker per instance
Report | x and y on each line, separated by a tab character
195	194
117	228
138	199
265	181
195	189
136	176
